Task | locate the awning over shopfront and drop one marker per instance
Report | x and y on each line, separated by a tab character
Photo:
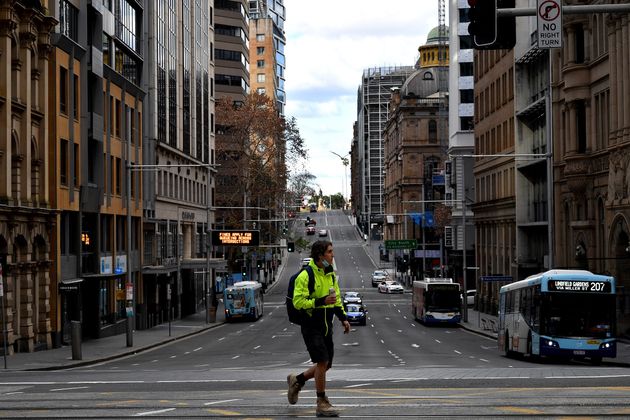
70	285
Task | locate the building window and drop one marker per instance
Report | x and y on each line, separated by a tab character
261	91
260	37
260	77
68	20
260	50
118	118
432	131
466	96
77	159
75	103
579	44
260	64
466	69
580	117
63	90
63	162
118	175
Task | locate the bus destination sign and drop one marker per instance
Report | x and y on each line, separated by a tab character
235	237
588	286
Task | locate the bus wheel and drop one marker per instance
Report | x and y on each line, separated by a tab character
596	360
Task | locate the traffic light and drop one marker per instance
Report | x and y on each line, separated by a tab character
244	271
259	264
490	32
290	246
285	229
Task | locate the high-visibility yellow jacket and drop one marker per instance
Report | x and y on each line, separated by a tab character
320	315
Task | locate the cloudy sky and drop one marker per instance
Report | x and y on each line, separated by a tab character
329	44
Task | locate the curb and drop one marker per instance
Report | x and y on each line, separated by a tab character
120	355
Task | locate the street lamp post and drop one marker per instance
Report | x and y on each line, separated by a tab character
345	161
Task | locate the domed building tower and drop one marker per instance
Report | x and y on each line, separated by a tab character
434	50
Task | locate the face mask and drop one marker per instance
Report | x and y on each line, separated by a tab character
325	263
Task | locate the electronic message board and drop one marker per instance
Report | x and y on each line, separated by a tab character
235	237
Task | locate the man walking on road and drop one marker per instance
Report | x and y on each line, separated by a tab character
317	330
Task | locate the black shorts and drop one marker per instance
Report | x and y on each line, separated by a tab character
319	346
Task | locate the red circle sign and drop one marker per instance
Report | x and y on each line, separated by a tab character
549	10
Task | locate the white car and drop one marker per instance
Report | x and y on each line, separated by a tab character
323	232
390	286
378	276
470	297
305	262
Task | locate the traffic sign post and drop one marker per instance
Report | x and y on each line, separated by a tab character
549	17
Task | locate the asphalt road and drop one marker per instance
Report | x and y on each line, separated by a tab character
392	367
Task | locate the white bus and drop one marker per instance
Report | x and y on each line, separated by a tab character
244	299
566	313
436	301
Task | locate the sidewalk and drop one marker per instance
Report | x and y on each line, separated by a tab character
113	347
108	348
486	324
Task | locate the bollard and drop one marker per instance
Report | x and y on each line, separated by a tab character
129	331
76	340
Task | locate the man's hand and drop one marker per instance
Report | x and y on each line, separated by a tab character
330	300
346	326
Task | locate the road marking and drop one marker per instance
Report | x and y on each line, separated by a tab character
413	325
484	360
458	352
415	345
172	357
438	341
405	316
256	348
221	339
187	352
13	393
382	341
68	389
149	413
236	357
198	348
358	385
399	331
520	410
222	401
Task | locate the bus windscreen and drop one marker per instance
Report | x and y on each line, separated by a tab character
578	315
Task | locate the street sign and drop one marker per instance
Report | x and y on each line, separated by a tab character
549	16
401	244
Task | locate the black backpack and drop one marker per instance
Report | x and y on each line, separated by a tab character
297	316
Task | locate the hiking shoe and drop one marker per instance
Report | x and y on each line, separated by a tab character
294	388
325	409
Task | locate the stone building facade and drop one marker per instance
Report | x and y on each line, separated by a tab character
26	217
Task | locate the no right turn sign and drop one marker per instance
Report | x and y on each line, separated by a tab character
549	14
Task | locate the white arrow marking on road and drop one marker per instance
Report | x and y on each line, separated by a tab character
220	402
357	385
68	389
148	413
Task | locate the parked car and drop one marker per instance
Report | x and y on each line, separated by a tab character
390	286
356	314
323	232
310	230
470	297
378	276
351	297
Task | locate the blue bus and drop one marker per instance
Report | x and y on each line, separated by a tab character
243	300
565	313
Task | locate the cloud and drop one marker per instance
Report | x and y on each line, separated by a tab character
329	45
